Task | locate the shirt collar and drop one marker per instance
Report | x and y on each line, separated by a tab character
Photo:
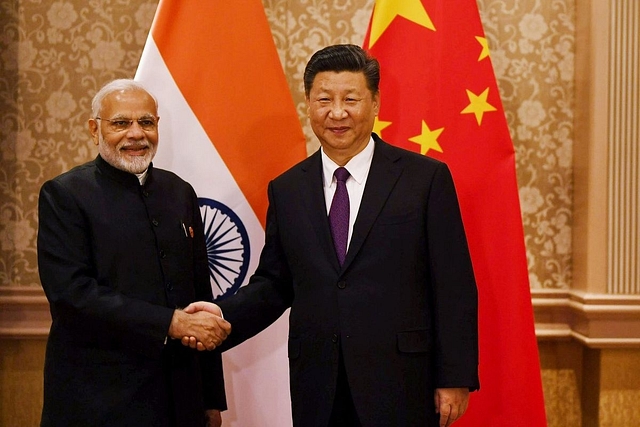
358	166
142	177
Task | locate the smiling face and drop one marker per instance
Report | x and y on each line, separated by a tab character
342	112
129	148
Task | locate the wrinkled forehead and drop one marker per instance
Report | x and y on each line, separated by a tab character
129	103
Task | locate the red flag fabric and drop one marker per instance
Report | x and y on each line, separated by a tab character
439	97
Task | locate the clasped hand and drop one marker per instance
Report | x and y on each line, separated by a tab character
205	308
199	328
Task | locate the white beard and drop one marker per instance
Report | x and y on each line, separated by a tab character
132	164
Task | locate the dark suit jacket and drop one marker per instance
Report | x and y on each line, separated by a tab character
403	307
114	262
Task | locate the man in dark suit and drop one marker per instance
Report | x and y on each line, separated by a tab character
120	250
383	321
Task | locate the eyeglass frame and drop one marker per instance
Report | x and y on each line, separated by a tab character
130	123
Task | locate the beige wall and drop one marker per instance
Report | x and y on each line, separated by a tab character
56	54
553	60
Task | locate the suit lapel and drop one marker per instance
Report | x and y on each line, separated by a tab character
312	194
383	175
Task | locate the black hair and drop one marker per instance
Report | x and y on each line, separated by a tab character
343	57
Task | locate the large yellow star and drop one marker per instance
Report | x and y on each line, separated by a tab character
379	125
485	48
478	105
428	139
385	12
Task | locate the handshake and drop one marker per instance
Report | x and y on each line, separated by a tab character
199	326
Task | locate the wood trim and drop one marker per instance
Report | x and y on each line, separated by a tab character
24	313
595	320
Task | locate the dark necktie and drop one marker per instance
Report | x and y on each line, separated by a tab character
339	214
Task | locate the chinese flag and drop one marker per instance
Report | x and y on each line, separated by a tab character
228	125
439	97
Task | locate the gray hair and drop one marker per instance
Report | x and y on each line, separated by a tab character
114	86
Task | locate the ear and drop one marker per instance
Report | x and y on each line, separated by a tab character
94	130
376	103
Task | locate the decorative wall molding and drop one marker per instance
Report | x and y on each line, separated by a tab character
24	313
623	211
595	320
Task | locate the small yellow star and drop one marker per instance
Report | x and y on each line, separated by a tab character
485	48
385	11
478	105
428	139
379	126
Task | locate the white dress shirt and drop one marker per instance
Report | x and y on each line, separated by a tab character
358	168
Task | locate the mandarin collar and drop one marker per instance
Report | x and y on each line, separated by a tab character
126	178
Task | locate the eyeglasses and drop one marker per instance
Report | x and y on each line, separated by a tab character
147	124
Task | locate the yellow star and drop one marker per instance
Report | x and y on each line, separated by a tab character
428	139
379	125
385	12
478	105
485	48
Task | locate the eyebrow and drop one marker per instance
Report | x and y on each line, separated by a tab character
143	116
326	91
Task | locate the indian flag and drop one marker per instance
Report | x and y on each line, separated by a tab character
228	125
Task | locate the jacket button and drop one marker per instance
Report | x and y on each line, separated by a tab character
155	222
162	254
145	193
334	338
169	286
342	284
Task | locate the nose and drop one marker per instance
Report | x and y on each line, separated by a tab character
135	131
337	110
